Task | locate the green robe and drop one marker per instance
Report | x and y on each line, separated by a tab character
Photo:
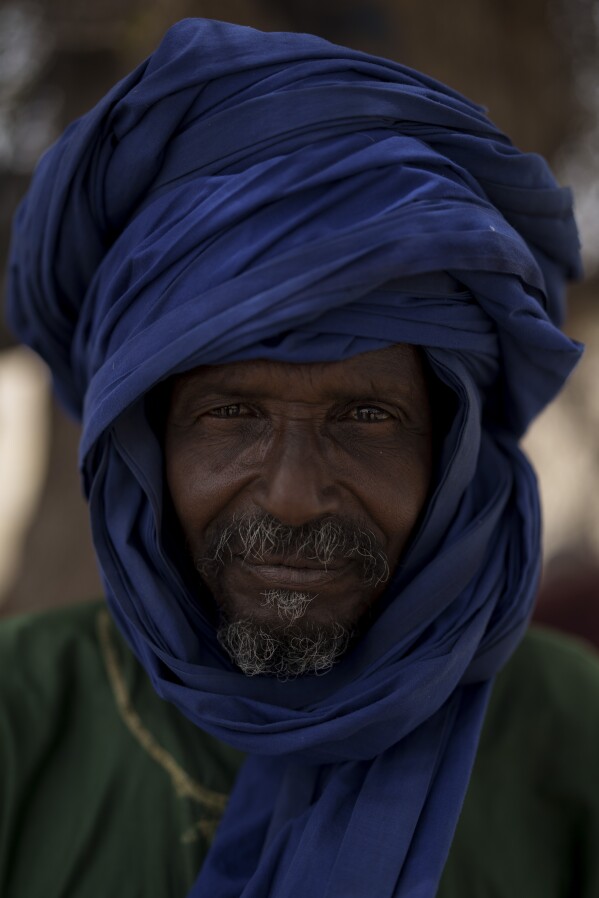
106	790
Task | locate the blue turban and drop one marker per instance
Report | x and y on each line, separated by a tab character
248	195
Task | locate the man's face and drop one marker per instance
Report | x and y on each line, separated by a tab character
297	488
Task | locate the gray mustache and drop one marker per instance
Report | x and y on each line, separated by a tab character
259	537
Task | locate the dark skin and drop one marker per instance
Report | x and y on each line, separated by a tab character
350	439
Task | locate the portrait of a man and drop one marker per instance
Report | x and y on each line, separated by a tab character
305	302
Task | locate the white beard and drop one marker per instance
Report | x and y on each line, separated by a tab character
288	650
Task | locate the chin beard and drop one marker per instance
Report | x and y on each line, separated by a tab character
283	641
287	648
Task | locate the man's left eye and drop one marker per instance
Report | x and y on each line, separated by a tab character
369	414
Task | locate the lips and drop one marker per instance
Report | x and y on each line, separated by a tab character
299	575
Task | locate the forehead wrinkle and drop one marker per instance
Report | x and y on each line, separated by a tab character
391	369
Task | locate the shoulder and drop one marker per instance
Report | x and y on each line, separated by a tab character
39	652
550	656
82	730
530	821
47	661
52	630
551	683
70	683
542	723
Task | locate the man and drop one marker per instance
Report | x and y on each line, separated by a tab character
305	302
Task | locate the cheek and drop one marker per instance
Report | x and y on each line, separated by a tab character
394	490
201	481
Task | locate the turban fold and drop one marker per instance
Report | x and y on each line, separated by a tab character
250	195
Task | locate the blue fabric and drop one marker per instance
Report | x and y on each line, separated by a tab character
246	195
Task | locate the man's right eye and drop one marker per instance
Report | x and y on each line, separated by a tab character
226	411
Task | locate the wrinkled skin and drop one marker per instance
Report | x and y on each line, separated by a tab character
347	441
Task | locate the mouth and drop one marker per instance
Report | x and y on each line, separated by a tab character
301	575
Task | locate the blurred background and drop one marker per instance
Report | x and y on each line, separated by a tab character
533	63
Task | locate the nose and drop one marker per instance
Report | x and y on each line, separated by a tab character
297	484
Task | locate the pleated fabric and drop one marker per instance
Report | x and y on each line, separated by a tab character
261	195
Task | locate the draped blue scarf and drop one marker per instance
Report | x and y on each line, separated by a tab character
248	195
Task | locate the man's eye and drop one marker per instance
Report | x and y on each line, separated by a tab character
226	411
369	414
